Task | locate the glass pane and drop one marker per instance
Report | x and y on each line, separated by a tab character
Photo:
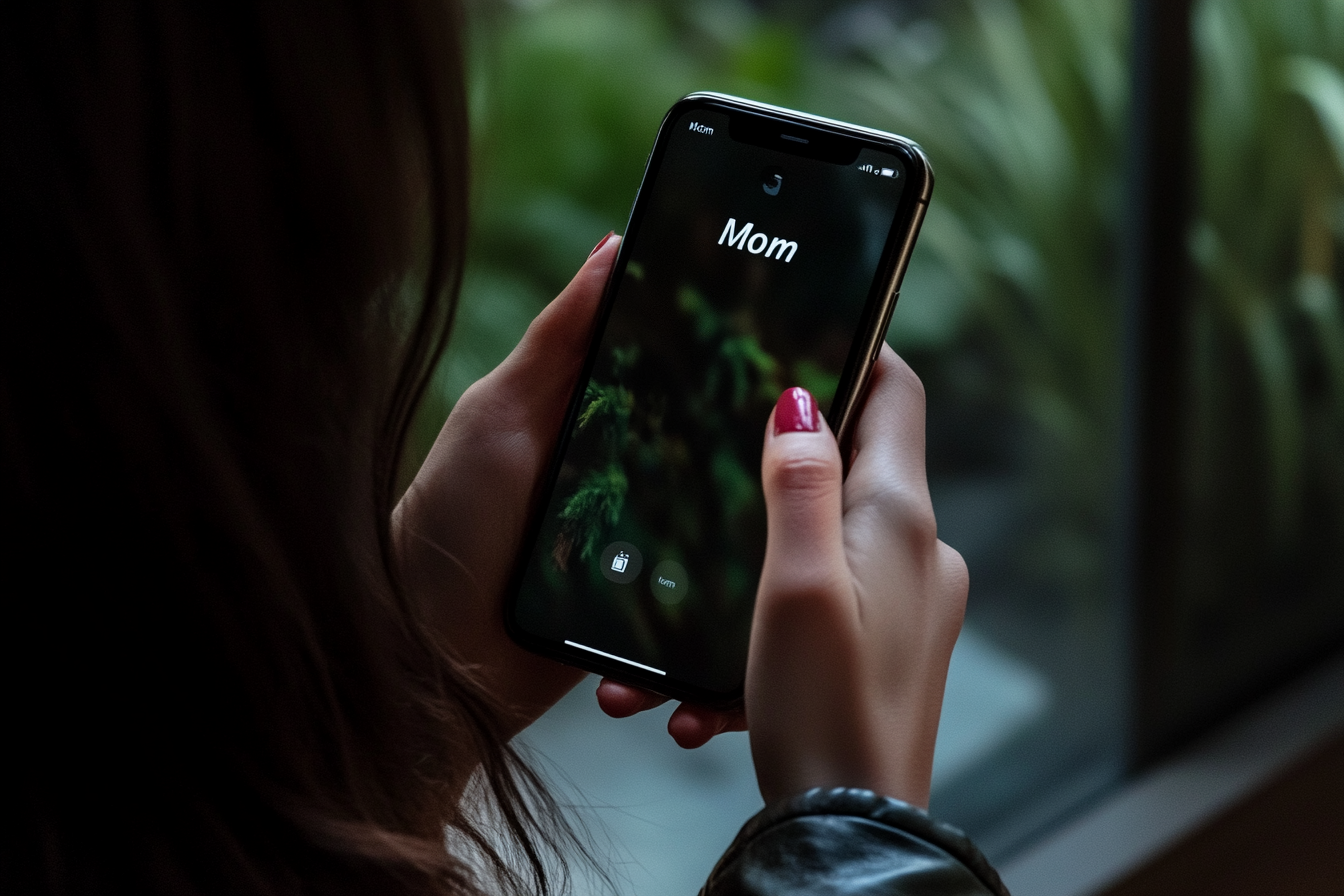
1010	315
1262	583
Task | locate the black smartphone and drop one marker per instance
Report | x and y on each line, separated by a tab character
765	250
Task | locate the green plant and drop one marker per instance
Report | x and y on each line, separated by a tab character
1268	242
1262	567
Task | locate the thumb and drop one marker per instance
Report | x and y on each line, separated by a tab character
805	617
802	478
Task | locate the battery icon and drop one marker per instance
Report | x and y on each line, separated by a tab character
888	172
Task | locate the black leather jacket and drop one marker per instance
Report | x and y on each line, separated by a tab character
850	843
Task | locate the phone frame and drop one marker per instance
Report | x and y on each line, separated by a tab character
825	137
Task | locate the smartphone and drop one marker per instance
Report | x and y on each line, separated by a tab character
764	250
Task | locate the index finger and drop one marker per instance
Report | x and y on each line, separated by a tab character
620	700
691	726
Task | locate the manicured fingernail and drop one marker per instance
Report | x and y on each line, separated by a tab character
796	411
602	243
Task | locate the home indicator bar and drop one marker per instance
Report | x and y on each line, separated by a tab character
612	656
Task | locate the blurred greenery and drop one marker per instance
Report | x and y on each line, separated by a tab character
1264	568
1267	242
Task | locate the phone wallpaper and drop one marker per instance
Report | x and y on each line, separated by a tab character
749	271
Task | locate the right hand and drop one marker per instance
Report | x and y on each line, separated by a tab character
859	604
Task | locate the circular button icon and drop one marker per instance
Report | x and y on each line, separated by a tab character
668	583
621	562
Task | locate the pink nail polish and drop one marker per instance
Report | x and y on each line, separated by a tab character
796	411
602	242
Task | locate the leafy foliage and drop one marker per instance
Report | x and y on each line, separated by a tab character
594	506
1265	486
1268	243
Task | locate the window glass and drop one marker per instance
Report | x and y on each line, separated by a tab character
1261	584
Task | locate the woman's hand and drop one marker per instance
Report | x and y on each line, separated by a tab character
859	603
857	611
459	526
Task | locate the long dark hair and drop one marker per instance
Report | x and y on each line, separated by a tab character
209	358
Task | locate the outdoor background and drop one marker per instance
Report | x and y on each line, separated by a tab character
1013	314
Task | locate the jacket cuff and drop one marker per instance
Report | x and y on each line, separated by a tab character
851	842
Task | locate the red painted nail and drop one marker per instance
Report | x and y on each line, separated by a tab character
796	411
602	243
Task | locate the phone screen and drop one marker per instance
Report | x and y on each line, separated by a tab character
746	269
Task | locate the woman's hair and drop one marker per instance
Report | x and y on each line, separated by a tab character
209	357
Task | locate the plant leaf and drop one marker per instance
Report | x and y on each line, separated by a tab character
1322	86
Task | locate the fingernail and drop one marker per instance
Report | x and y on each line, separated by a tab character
602	243
796	411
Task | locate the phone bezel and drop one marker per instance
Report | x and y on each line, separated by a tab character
843	412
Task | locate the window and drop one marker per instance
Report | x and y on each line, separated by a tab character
1242	578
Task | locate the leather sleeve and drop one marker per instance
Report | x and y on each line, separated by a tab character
844	842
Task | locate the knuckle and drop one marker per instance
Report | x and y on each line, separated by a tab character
953	588
919	523
802	475
953	575
953	567
484	404
910	382
909	514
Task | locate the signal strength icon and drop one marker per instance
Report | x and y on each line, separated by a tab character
867	168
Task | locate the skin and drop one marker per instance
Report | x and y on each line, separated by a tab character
859	603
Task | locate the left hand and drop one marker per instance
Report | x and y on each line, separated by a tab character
459	527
